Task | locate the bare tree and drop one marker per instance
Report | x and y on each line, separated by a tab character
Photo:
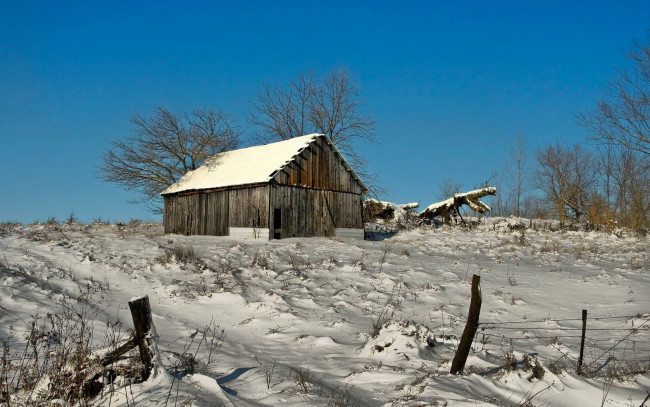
601	208
336	111
621	118
516	170
565	175
632	189
164	147
281	112
608	157
448	188
329	105
500	206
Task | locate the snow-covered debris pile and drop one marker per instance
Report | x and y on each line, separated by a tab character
389	215
449	207
510	223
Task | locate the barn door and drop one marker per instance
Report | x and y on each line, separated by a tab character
188	224
277	223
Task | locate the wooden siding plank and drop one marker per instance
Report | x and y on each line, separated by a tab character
200	214
320	167
314	212
248	206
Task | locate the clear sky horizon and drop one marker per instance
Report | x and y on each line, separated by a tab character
449	83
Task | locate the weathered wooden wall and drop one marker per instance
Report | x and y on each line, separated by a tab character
212	213
249	205
314	212
319	166
197	214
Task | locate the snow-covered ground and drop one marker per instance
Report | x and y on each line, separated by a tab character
348	322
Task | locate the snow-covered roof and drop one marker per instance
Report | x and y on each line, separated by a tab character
246	166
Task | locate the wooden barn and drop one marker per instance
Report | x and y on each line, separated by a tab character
294	188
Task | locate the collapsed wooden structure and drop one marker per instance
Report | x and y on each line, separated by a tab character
294	188
450	207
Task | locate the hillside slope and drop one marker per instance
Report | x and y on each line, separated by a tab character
346	322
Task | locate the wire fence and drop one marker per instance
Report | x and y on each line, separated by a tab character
609	330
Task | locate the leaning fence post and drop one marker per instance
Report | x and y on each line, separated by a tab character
582	340
141	313
466	340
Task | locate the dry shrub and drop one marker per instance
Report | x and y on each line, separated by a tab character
340	398
600	214
623	370
532	365
302	379
8	226
200	350
134	222
509	361
56	361
178	253
549	247
560	365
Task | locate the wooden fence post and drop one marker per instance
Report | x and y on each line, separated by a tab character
582	340
466	340
141	313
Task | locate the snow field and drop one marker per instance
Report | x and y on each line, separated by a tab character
326	321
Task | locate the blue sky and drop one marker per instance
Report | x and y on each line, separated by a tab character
449	83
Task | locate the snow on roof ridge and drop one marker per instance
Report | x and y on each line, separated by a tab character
235	166
293	140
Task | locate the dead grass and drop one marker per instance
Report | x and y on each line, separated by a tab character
56	361
302	380
177	253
